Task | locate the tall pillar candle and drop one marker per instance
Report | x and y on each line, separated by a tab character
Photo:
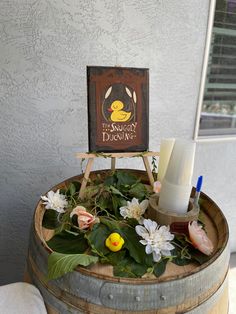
176	186
165	153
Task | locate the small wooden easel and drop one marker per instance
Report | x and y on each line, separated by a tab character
113	156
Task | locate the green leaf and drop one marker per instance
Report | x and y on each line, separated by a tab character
129	268
104	201
181	261
68	243
77	185
149	260
138	191
135	248
60	264
111	224
113	258
132	222
73	188
50	219
125	178
199	257
160	267
97	238
63	191
178	259
122	202
116	203
116	191
91	191
110	180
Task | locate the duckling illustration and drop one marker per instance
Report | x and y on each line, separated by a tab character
114	242
118	115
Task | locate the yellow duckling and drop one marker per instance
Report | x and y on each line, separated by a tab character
114	242
118	115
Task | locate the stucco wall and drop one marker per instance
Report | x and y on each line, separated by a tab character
44	49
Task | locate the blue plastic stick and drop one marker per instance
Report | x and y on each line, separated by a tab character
199	184
198	189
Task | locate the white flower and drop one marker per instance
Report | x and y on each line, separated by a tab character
134	210
55	201
156	238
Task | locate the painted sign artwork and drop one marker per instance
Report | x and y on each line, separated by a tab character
118	109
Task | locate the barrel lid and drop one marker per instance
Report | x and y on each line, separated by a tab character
214	219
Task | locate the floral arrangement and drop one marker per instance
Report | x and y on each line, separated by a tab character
110	225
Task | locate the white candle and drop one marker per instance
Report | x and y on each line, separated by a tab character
176	186
165	153
174	197
180	167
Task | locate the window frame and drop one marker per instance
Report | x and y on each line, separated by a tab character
196	136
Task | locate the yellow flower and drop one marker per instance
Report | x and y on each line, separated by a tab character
114	242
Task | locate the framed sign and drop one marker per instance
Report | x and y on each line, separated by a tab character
118	109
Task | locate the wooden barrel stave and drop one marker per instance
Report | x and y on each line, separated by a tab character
217	303
124	296
87	292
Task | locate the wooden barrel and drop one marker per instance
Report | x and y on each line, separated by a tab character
181	289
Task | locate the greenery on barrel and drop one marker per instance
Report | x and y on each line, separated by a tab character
110	225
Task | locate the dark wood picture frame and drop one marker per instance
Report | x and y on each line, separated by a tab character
118	109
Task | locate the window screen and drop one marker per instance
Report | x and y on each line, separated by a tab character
218	116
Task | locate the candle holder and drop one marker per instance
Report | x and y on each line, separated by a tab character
167	217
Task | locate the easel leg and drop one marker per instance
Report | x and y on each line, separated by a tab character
86	176
113	163
148	169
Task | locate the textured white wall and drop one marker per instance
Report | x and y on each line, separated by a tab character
44	49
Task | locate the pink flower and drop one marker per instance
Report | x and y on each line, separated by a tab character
85	219
199	238
157	187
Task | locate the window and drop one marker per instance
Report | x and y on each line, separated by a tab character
217	113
